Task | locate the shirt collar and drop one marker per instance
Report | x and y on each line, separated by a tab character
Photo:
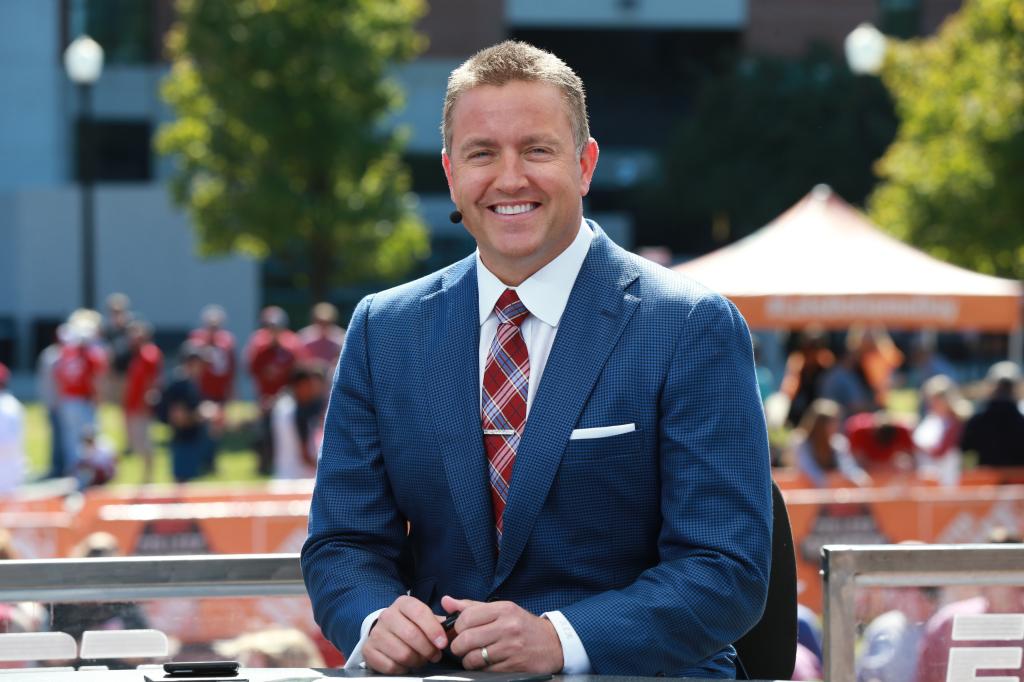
545	293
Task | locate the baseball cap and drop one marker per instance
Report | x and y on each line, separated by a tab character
1006	370
273	316
213	315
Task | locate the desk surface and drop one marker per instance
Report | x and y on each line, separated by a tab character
258	675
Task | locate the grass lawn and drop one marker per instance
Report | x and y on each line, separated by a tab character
236	460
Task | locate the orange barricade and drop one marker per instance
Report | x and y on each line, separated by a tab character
271	517
894	514
267	517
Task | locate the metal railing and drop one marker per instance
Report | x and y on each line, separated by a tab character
846	568
140	578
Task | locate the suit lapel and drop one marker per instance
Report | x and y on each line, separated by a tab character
597	312
451	346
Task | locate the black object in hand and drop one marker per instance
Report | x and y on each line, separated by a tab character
449	622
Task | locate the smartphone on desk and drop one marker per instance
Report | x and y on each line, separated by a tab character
194	669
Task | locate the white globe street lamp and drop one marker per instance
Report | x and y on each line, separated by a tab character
83	61
865	48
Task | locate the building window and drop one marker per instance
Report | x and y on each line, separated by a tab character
900	18
127	29
123	150
44	332
8	342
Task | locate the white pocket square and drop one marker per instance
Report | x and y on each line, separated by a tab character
601	431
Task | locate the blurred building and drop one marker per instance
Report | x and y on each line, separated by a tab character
638	58
143	245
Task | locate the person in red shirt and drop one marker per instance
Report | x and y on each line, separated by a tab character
271	356
141	381
217	345
880	443
324	338
77	372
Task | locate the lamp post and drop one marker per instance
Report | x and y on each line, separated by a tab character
865	48
83	61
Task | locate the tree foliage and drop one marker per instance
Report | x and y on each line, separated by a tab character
281	139
953	180
760	136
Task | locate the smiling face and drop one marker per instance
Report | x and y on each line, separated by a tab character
514	173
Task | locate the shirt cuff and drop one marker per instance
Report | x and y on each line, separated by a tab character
355	660
574	656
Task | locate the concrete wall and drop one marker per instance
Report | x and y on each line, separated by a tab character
789	27
32	104
424	82
458	28
627	14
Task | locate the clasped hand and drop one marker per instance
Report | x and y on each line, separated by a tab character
408	635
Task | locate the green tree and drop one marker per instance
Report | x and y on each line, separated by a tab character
281	139
759	137
953	180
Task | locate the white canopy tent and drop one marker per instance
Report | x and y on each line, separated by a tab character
823	262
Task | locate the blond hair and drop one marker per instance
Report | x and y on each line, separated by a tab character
817	415
941	386
518	61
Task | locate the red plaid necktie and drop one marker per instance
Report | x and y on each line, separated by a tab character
503	399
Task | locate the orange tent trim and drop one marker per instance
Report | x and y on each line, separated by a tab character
823	262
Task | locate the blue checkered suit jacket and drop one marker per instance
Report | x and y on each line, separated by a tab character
655	544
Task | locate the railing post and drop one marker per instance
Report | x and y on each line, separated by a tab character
838	577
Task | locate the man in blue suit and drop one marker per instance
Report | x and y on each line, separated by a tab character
581	472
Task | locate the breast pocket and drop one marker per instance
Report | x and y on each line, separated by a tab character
627	444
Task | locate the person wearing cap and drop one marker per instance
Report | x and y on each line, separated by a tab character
114	334
323	339
183	409
46	390
78	371
218	345
271	356
141	392
996	432
12	437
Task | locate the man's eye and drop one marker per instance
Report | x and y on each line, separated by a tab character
479	154
539	151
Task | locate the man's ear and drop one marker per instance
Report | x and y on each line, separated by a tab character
588	164
447	163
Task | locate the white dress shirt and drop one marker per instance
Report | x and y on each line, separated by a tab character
545	294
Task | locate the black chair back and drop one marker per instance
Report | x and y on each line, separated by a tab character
768	650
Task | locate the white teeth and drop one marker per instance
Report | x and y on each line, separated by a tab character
514	210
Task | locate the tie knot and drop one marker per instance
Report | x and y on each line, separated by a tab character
510	309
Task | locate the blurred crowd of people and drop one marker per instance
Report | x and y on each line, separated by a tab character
837	405
112	357
844	431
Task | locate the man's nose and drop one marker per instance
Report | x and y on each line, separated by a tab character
511	174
